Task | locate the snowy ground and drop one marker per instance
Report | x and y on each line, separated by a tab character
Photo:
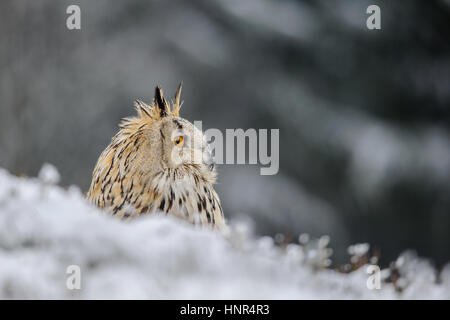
45	228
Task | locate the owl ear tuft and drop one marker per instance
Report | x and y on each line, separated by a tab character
176	104
160	102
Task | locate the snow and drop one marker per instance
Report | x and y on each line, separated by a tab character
49	174
44	229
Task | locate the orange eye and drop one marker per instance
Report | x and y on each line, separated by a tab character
179	141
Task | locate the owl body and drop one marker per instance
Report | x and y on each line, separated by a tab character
158	162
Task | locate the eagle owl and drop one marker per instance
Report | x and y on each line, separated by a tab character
158	162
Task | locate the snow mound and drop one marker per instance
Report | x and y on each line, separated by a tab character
44	229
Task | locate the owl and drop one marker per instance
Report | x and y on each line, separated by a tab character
158	162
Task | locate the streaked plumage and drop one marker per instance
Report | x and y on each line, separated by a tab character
143	170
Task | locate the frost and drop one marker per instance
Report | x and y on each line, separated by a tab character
316	252
158	257
358	251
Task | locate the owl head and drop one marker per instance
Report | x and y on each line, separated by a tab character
165	140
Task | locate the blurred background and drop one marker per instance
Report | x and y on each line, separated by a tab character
364	115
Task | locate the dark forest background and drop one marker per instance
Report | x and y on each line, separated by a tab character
364	115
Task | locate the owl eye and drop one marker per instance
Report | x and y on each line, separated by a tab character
179	141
